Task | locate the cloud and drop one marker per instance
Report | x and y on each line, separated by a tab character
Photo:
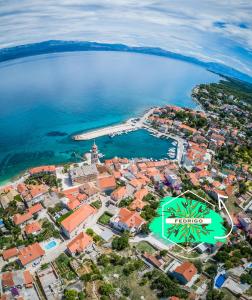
212	29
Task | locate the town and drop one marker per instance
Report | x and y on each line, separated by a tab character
81	230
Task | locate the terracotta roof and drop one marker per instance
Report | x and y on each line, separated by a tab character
7	279
77	217
187	270
20	219
130	218
153	259
42	169
108	182
30	253
119	193
12	252
32	228
72	204
135	183
79	243
28	280
35	208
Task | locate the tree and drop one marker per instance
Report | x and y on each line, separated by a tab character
212	270
246	278
120	243
214	295
145	229
163	252
106	289
70	295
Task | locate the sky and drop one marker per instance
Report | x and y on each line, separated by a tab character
210	30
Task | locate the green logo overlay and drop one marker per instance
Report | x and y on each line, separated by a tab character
182	220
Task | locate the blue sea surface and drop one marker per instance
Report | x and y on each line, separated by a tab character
46	99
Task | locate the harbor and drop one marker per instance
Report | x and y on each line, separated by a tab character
128	126
175	152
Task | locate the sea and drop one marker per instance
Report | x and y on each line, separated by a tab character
46	99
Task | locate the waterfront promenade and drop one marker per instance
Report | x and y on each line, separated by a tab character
129	125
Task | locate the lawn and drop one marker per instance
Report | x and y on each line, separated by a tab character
144	247
62	263
105	218
60	219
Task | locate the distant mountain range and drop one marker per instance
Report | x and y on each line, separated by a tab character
55	46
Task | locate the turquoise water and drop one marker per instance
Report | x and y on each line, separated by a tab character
51	245
45	99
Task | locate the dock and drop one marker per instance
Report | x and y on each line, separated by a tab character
128	126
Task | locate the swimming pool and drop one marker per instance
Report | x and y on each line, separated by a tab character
220	280
50	245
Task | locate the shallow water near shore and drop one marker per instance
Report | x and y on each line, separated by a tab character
46	99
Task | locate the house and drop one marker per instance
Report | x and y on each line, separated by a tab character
83	173
153	260
127	220
138	203
107	184
76	220
10	253
30	254
82	242
185	272
19	219
50	283
32	228
38	171
16	279
32	194
119	194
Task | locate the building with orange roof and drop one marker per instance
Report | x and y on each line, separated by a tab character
187	129
138	203
107	183
19	219
32	228
28	280
16	279
10	253
127	220
35	208
42	170
119	194
73	204
32	194
185	272
193	179
82	242
136	183
30	254
76	220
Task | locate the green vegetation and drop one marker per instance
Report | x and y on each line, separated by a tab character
64	268
120	243
164	286
61	218
96	204
144	246
73	295
231	255
125	202
105	218
48	179
247	277
48	231
95	236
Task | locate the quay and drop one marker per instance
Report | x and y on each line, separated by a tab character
130	125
